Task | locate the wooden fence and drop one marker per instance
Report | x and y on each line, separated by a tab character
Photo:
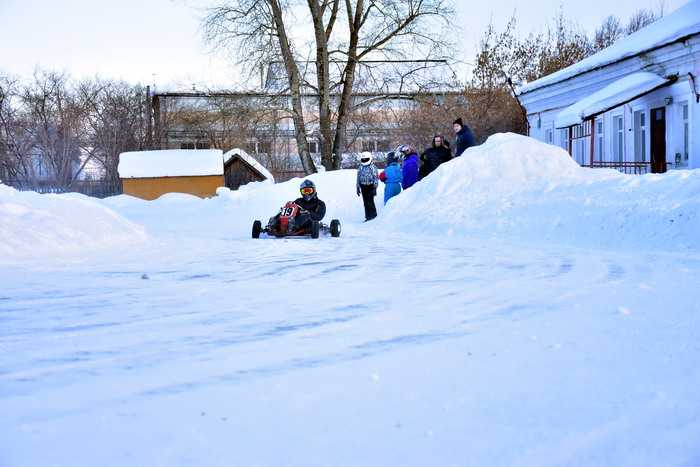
95	188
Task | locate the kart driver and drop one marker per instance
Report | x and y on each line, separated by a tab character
312	208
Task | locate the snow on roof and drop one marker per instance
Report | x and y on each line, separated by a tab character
171	163
615	94
681	23
250	160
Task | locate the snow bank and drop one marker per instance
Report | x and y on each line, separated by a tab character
171	163
231	213
681	23
517	188
46	226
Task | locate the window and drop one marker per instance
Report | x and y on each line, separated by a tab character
640	136
619	138
187	146
599	139
549	136
564	138
313	147
580	151
203	145
383	145
368	146
686	134
264	147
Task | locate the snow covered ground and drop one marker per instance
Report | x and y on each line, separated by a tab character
510	310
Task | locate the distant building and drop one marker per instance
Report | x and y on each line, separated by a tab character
151	174
633	106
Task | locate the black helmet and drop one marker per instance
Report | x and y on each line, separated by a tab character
391	158
307	190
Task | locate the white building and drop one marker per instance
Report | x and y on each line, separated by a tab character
633	106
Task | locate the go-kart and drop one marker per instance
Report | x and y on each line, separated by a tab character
284	225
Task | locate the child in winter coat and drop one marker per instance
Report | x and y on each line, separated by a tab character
391	177
367	181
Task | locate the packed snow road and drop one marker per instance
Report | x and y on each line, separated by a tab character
364	350
512	309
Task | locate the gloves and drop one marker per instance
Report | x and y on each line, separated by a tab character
359	192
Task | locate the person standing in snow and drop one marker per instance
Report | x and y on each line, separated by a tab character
434	156
464	138
409	170
367	181
391	177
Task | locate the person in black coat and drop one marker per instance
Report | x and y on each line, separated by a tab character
464	138
435	155
313	209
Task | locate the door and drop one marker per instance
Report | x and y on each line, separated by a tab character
658	140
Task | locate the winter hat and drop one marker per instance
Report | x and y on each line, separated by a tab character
458	122
391	158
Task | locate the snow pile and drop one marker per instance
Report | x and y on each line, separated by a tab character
45	226
231	213
517	188
171	163
623	90
681	23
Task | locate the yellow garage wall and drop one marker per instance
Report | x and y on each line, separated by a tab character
152	188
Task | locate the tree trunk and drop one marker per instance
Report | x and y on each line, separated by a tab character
294	88
323	80
345	106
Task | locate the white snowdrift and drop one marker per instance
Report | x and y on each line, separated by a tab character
517	188
231	213
35	226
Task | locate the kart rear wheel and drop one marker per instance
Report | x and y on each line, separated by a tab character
315	227
335	228
257	228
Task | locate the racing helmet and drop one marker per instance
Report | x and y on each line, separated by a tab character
366	158
307	190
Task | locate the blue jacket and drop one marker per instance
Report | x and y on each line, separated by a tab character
464	140
393	173
410	170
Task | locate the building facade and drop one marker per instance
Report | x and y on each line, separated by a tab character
634	106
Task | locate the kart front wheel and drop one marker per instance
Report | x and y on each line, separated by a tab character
315	227
335	228
257	228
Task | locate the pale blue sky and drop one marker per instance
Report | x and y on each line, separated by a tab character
134	39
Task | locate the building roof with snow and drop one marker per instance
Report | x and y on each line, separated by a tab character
171	163
677	26
613	95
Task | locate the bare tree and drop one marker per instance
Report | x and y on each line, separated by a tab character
608	32
642	18
115	122
373	30
15	143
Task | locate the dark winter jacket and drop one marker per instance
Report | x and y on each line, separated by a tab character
433	157
316	207
410	170
464	140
